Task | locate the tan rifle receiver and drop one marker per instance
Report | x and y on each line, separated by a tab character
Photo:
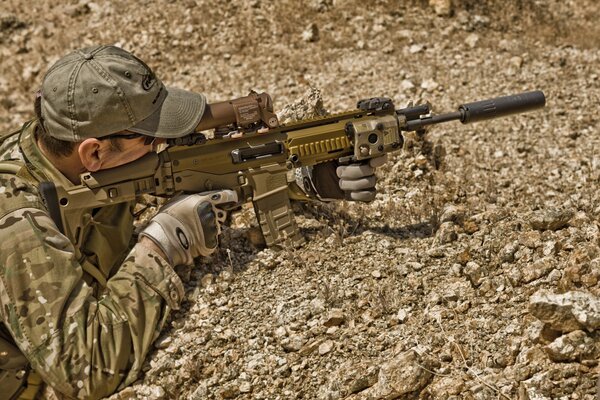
251	153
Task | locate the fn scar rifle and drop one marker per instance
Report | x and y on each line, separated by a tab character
251	153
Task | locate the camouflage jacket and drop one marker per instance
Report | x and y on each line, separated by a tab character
86	340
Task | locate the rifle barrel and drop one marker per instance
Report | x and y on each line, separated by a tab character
430	119
484	109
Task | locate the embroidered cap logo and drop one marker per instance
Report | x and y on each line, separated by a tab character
149	77
148	81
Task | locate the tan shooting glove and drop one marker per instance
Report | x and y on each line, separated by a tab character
188	226
328	181
358	180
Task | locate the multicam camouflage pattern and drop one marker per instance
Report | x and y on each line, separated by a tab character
9	149
84	340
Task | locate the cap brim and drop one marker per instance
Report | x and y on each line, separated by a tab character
178	115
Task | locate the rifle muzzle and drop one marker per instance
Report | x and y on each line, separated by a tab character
501	106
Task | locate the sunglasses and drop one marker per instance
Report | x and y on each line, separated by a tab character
148	140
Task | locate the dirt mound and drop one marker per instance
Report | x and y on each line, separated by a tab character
475	272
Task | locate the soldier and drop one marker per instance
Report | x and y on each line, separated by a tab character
81	316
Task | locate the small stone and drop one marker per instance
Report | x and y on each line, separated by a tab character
376	274
325	347
245	387
442	8
335	317
332	330
402	315
455	290
280	332
317	306
470	227
405	374
311	33
453	213
429	85
415	48
415	266
507	253
206	280
446	233
406	85
550	248
463	257
437	252
472	40
531	239
537	269
552	220
579	220
293	343
456	269
225	276
163	342
310	347
126	394
566	312
474	272
351	377
157	393
229	391
516	62
574	346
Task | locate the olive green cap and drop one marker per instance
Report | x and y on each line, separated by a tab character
102	90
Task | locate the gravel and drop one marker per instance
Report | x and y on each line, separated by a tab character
475	272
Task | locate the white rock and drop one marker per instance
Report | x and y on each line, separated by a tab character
311	33
472	40
406	85
415	48
566	312
574	346
442	8
325	347
429	85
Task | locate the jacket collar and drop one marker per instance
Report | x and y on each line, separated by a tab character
36	161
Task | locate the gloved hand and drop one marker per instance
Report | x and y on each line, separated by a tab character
188	225
358	180
327	181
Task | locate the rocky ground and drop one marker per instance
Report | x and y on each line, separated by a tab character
473	275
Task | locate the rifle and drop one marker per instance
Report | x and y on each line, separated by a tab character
251	154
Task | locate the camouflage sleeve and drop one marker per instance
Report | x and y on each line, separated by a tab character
83	346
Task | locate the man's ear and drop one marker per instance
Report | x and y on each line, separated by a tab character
89	154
